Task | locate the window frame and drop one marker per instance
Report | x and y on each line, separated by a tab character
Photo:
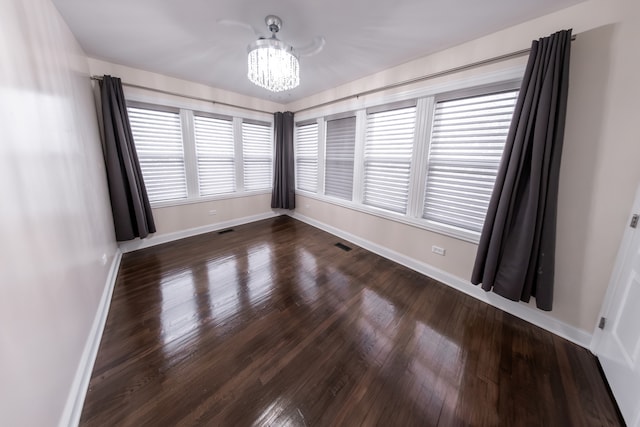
245	157
166	110
327	121
426	97
453	96
213	158
187	108
320	132
391	109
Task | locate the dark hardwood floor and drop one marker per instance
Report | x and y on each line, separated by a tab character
274	325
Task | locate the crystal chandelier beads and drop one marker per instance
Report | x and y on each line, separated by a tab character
273	64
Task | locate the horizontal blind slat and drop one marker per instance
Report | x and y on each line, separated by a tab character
467	141
387	158
257	156
307	157
339	157
157	137
215	155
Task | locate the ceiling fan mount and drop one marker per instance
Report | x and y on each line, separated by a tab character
274	23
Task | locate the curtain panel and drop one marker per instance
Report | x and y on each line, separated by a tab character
284	193
516	253
132	216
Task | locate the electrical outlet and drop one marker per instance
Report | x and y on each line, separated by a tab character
104	259
213	212
438	250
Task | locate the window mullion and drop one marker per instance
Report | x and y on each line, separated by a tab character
190	162
358	162
424	115
322	133
238	159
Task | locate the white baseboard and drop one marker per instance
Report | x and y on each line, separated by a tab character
523	311
158	239
75	400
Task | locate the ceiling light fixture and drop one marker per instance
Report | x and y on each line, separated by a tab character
273	64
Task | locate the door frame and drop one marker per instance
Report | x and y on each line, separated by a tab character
614	281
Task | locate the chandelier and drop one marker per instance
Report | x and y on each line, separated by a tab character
272	63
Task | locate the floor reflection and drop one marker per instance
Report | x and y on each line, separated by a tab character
375	314
178	310
306	270
224	278
260	274
437	366
272	414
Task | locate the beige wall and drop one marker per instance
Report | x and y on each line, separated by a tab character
600	163
55	219
161	82
174	219
402	238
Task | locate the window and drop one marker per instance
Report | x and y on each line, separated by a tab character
257	152
158	139
387	158
467	140
214	155
430	161
187	156
340	145
307	157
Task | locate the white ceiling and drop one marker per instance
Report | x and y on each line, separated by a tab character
182	38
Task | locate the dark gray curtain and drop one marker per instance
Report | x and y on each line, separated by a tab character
132	215
516	253
284	194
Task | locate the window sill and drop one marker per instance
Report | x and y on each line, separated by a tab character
445	230
189	201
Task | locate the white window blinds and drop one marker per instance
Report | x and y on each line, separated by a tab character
307	157
214	155
387	158
257	143
340	145
467	141
158	139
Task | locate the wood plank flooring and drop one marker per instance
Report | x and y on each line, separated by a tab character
273	325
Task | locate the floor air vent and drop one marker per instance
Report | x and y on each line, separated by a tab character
343	247
228	230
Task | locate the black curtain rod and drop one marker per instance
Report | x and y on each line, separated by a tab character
166	92
426	77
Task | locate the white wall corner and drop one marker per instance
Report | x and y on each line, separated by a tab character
158	239
75	400
525	312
